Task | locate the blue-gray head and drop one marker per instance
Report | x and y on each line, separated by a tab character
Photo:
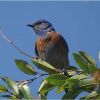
42	26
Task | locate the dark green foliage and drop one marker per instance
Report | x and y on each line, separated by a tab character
43	65
85	62
25	67
15	90
3	88
82	79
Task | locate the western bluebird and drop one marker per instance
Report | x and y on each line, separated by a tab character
50	46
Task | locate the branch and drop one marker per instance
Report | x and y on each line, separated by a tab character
24	82
11	43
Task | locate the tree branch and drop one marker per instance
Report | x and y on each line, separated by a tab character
11	43
24	82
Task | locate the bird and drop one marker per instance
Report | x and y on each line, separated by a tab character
50	46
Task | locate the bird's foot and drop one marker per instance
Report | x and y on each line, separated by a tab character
65	72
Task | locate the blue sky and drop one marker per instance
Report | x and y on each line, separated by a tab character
78	22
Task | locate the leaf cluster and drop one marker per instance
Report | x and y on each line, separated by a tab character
84	78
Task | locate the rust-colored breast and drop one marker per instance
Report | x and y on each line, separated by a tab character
41	43
53	37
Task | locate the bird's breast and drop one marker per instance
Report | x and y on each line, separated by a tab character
41	44
52	49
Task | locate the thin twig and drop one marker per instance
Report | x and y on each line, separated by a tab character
11	43
24	82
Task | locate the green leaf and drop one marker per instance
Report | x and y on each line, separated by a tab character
91	95
98	97
56	79
25	67
45	87
12	85
43	65
80	76
3	78
60	89
42	97
11	97
26	92
71	94
81	62
88	58
88	82
87	88
3	88
92	68
91	62
71	72
72	83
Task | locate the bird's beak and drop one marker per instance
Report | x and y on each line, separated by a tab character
30	25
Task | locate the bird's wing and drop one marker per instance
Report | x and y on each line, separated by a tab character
61	47
57	50
59	41
64	43
36	51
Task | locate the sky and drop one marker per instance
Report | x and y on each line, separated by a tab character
78	22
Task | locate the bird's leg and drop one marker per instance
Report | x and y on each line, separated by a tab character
65	72
37	57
